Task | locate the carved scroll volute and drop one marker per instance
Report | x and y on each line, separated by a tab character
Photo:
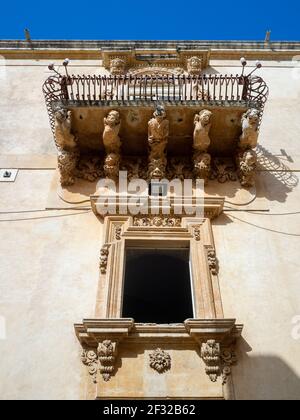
201	143
158	132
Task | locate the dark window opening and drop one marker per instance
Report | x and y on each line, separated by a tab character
157	286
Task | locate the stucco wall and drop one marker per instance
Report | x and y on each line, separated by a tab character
49	264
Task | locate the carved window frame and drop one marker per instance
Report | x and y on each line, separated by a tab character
165	231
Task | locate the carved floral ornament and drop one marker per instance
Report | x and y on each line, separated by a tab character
72	165
160	360
102	360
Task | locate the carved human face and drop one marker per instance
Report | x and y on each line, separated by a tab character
250	158
113	118
205	117
253	117
112	159
194	65
117	66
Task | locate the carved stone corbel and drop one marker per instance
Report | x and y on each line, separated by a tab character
201	143
218	361
158	132
104	253
112	144
107	352
68	152
211	355
117	66
100	339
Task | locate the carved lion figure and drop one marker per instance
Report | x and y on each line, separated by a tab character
202	122
111	139
194	65
246	163
250	121
202	165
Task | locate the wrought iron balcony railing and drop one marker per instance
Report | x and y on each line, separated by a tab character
81	90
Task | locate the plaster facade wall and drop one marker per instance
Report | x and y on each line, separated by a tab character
49	260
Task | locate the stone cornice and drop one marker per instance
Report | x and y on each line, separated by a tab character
85	49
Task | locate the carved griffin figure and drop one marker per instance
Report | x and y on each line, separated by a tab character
250	122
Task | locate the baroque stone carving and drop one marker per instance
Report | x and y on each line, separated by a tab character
201	142
229	358
250	122
202	165
117	66
112	144
66	142
194	65
223	170
212	261
118	232
90	359
89	168
157	221
218	361
197	233
104	253
160	360
211	355
246	162
158	132
107	352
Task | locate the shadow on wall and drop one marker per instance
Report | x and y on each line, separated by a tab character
264	377
276	180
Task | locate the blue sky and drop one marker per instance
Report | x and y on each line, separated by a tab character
144	19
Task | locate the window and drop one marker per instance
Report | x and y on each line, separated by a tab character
157	285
